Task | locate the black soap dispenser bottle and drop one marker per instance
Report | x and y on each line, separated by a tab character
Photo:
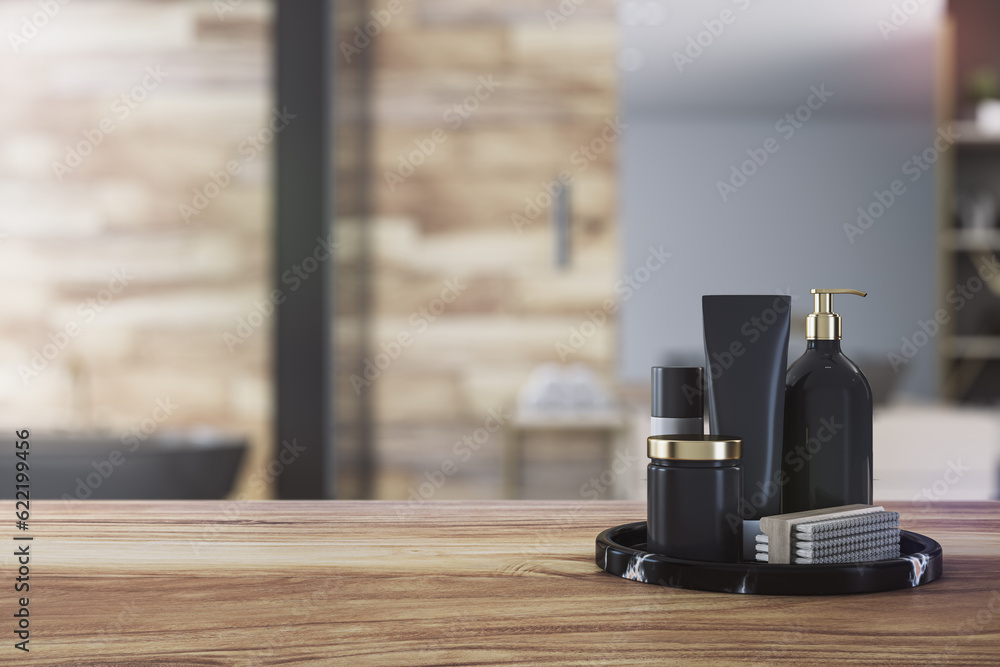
827	445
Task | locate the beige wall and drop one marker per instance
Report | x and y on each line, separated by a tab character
451	218
161	335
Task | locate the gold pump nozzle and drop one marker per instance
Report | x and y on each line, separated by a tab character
823	323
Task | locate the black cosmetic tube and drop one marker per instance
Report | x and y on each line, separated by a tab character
746	355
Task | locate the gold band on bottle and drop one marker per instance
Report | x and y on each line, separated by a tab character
694	447
822	326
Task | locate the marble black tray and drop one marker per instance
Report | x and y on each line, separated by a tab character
621	551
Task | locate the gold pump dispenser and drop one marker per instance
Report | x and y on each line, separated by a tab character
823	323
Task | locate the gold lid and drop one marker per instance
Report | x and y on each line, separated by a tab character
694	447
823	323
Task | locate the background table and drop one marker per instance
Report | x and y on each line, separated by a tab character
446	583
606	427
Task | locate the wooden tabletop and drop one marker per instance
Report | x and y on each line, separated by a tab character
449	583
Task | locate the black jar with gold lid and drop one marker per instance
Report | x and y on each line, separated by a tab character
694	485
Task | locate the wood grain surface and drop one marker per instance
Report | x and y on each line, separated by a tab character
452	583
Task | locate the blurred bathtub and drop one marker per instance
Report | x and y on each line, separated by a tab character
196	465
928	452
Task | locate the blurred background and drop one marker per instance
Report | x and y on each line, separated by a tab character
429	249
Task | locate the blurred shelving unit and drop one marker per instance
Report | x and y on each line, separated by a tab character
973	347
970	136
969	345
971	240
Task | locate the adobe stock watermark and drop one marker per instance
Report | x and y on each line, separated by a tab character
268	649
264	477
751	331
121	109
647	13
463	450
958	297
125	618
786	127
223	7
87	310
596	486
914	168
590	490
983	620
562	12
795	460
940	487
261	479
698	43
454	117
899	16
220	179
293	278
580	159
775	652
163	409
420	320
364	34
32	25
626	287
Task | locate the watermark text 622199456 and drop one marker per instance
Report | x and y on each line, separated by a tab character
22	540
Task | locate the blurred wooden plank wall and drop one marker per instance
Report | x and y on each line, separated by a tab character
546	75
189	283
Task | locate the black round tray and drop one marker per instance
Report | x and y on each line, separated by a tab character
621	551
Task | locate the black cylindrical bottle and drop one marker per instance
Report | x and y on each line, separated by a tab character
694	485
677	405
827	457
